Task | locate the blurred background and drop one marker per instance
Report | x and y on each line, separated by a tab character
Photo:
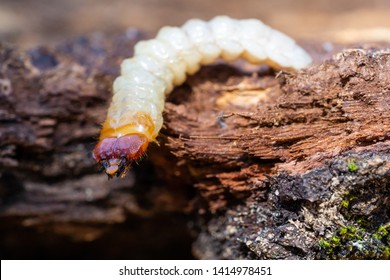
28	23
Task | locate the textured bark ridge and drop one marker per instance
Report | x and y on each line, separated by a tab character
250	164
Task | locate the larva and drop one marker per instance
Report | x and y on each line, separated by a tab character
134	117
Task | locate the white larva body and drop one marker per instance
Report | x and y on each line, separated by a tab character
162	63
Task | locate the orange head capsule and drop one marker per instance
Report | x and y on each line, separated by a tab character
115	155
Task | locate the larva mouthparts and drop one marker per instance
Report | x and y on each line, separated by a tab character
134	117
116	154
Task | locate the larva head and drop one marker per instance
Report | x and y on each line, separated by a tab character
115	155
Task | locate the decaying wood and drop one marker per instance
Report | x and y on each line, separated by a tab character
263	164
262	126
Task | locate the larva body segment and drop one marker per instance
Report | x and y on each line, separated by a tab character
134	117
226	34
153	66
253	37
202	37
177	39
166	55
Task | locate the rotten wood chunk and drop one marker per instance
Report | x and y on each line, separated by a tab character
253	126
289	164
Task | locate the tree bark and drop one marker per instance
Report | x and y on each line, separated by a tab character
261	164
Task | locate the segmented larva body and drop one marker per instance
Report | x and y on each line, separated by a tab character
134	117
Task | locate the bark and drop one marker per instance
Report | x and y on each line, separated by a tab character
251	163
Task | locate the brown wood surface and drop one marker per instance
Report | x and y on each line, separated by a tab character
251	163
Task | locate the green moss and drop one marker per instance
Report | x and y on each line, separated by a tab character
325	244
351	232
347	199
386	253
353	242
352	167
362	221
345	204
383	233
384	230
